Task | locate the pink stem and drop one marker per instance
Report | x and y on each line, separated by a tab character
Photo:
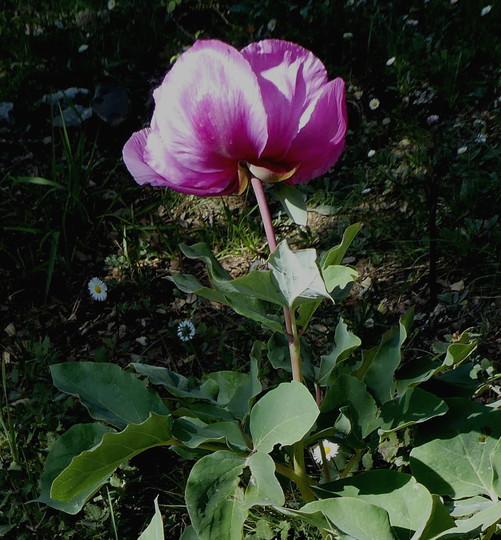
272	243
265	213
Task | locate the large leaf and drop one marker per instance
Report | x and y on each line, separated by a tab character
214	498
193	433
108	392
354	517
228	389
414	373
95	465
178	384
345	343
255	284
264	488
409	505
336	254
337	276
76	440
459	454
350	396
155	530
414	407
243	304
293	202
283	416
380	362
471	527
297	275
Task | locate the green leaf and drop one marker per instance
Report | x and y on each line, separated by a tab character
414	407
458	351
108	392
155	530
228	389
336	254
297	275
283	416
471	527
415	373
189	534
264	488
214	498
380	362
305	312
38	181
243	304
293	202
459	454
94	466
354	517
279	355
350	396
76	440
409	505
255	284
177	384
345	343
338	276
193	432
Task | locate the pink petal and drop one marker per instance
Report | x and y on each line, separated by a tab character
149	163
133	156
320	141
209	109
290	77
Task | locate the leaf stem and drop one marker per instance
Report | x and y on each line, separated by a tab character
301	482
353	461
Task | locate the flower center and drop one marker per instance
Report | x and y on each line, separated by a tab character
97	289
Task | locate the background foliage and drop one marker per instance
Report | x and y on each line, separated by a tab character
70	211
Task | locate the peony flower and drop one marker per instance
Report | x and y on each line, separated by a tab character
331	451
222	114
185	330
98	289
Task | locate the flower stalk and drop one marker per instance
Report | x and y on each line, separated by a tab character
290	320
300	476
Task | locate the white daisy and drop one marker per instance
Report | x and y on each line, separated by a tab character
373	104
98	289
462	150
331	451
371	153
485	10
185	330
112	4
390	61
